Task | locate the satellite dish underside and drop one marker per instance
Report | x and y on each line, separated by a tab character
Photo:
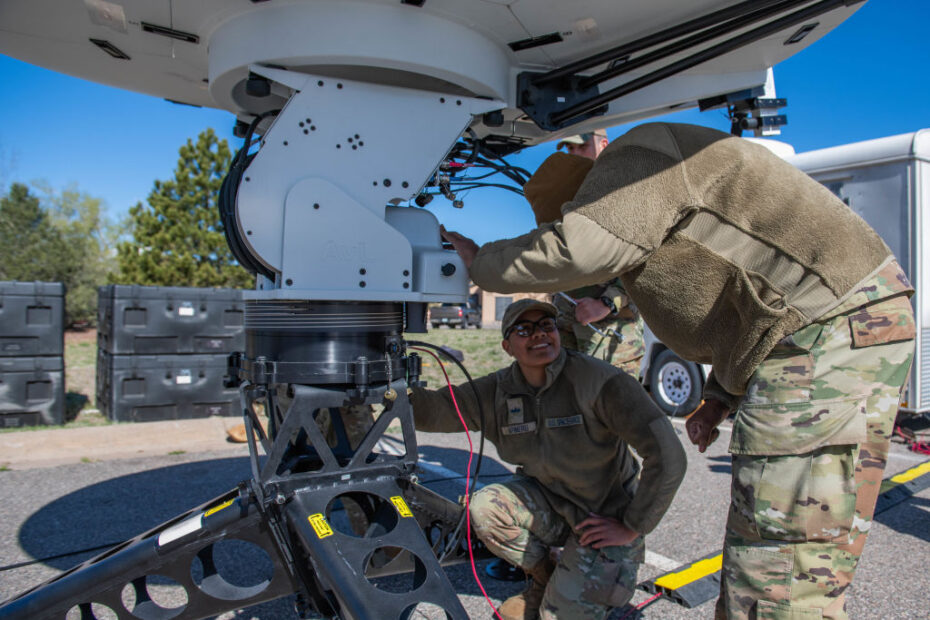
357	102
200	53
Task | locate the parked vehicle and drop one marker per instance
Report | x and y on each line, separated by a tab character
676	384
456	315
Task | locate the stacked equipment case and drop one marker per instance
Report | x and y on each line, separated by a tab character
32	378
162	351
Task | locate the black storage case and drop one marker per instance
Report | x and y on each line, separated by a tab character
161	320
32	391
32	319
145	388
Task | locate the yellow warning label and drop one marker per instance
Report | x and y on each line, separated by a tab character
401	506
320	526
216	509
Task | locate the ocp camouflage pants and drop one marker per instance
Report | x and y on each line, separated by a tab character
517	523
809	447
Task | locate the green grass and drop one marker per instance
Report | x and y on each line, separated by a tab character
86	417
80	380
482	349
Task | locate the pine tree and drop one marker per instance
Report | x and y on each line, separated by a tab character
31	248
178	238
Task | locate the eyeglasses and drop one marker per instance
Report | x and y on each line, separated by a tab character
525	329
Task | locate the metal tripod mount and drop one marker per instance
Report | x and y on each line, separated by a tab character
324	357
305	361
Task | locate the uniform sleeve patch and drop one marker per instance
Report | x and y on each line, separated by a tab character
519	429
574	420
882	327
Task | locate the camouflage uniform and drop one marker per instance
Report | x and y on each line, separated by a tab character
572	439
625	352
517	524
809	446
737	259
356	419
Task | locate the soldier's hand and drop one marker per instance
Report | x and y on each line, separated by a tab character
590	310
465	247
601	532
702	424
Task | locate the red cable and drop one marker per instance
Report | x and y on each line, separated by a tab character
471	451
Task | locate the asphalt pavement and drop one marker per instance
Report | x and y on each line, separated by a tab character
69	493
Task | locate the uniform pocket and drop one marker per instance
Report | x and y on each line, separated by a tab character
809	497
787	373
798	428
608	575
752	573
766	610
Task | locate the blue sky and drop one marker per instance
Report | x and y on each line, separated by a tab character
866	79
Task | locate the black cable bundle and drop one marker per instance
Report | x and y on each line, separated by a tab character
227	203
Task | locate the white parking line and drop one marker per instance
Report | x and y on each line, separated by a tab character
432	467
442	472
911	457
384	446
661	562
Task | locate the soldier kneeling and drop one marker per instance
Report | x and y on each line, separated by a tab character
568	422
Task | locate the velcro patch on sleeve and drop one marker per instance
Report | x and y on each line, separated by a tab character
882	325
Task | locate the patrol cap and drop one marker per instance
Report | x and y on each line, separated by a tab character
554	183
581	138
515	310
578	139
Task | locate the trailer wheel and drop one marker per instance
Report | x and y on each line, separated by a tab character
675	384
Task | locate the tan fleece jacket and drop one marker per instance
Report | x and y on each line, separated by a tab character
724	247
573	436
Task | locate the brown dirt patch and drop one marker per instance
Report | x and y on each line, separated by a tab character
77	336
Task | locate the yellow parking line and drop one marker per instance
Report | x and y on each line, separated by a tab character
906	476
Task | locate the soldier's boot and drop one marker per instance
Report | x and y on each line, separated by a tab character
237	434
525	606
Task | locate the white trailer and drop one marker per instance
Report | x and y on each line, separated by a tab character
887	182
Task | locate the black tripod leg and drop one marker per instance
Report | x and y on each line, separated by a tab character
165	554
285	515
